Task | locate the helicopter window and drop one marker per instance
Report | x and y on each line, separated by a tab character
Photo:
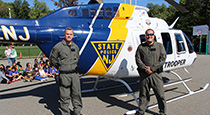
101	13
92	12
115	10
189	44
108	12
167	42
72	13
180	43
85	13
142	37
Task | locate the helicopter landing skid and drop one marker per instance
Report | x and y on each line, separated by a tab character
190	92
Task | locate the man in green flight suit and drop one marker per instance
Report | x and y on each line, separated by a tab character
150	56
64	56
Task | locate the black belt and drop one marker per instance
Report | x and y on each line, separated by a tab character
67	72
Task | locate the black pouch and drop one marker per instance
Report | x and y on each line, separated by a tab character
77	69
57	80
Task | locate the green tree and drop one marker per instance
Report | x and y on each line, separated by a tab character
64	3
24	11
39	10
166	13
199	13
4	9
16	8
20	9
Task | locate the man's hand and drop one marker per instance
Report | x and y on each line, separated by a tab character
148	70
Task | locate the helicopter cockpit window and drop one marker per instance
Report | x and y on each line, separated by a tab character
72	13
142	38
101	13
189	44
180	43
85	12
115	10
167	42
108	12
92	12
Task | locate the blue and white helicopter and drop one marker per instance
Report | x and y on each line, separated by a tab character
108	35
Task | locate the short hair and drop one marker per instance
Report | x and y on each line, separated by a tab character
14	67
68	28
7	66
148	30
3	69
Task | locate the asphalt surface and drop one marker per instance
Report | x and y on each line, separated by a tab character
41	98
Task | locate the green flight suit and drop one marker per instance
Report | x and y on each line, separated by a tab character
65	57
153	56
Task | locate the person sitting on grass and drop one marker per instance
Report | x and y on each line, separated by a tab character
14	74
3	78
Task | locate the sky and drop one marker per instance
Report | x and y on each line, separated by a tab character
139	2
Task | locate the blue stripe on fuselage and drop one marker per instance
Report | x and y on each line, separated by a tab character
89	55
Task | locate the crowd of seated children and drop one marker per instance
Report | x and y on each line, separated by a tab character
40	71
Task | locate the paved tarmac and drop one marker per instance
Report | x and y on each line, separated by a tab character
40	98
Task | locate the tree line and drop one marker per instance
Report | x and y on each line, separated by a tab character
199	13
21	9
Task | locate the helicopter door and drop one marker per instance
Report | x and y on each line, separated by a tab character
180	50
170	52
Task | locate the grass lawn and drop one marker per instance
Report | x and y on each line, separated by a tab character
27	51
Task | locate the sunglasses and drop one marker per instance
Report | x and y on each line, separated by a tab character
149	34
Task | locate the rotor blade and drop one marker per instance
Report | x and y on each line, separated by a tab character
176	5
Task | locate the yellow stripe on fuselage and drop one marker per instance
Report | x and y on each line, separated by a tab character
118	33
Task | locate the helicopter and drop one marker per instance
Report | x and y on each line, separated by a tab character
107	35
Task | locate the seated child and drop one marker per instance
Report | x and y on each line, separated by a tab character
7	73
3	78
14	74
21	71
47	70
2	67
52	72
13	65
42	72
57	71
37	76
28	75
